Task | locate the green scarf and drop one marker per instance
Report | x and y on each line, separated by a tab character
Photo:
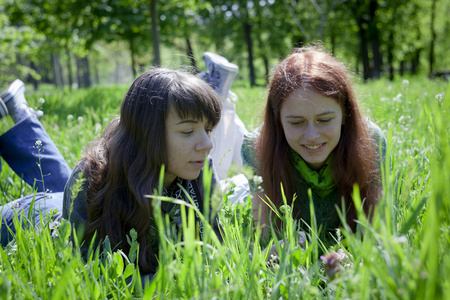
321	182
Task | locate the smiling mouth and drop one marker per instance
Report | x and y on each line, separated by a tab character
313	147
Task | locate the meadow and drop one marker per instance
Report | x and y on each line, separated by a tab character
404	253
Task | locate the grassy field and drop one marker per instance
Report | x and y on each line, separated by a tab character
404	254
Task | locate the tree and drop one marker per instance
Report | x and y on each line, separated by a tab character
155	31
433	35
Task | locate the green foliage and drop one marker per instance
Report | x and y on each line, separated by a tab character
403	253
32	32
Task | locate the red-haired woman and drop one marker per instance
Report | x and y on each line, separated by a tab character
314	137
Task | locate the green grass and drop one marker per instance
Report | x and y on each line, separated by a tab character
404	253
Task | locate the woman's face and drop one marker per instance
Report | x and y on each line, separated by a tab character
188	142
312	125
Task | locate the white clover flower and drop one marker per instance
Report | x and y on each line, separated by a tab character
80	119
398	98
439	97
257	179
405	81
70	117
41	100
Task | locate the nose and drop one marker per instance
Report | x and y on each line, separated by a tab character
311	132
204	142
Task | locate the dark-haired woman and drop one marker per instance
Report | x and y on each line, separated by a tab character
314	137
166	119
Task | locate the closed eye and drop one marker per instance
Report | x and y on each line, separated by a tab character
187	132
324	121
296	122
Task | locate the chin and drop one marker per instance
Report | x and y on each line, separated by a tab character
191	176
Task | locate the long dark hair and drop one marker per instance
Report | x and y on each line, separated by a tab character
124	163
354	158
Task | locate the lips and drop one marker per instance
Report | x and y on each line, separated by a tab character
198	163
314	147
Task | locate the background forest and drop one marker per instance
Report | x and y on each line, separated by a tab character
82	43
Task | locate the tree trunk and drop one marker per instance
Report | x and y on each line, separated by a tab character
267	69
117	73
333	42
391	55
96	74
56	67
364	48
155	32
69	67
375	41
248	41
83	72
31	78
133	61
433	37
415	61
78	63
87	72
191	57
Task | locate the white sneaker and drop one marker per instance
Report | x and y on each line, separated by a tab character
3	109
15	88
221	72
14	98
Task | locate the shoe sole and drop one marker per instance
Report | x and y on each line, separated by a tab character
220	61
12	90
3	109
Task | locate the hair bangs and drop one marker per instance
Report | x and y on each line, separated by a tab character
195	100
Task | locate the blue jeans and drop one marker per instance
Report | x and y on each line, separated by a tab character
17	149
43	205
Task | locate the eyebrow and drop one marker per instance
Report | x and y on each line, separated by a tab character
319	115
187	121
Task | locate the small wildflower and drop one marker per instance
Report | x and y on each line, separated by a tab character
80	119
38	144
439	97
257	179
41	100
398	98
332	265
405	81
70	117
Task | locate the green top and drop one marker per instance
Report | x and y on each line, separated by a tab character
325	193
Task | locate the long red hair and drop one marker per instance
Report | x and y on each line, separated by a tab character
354	158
